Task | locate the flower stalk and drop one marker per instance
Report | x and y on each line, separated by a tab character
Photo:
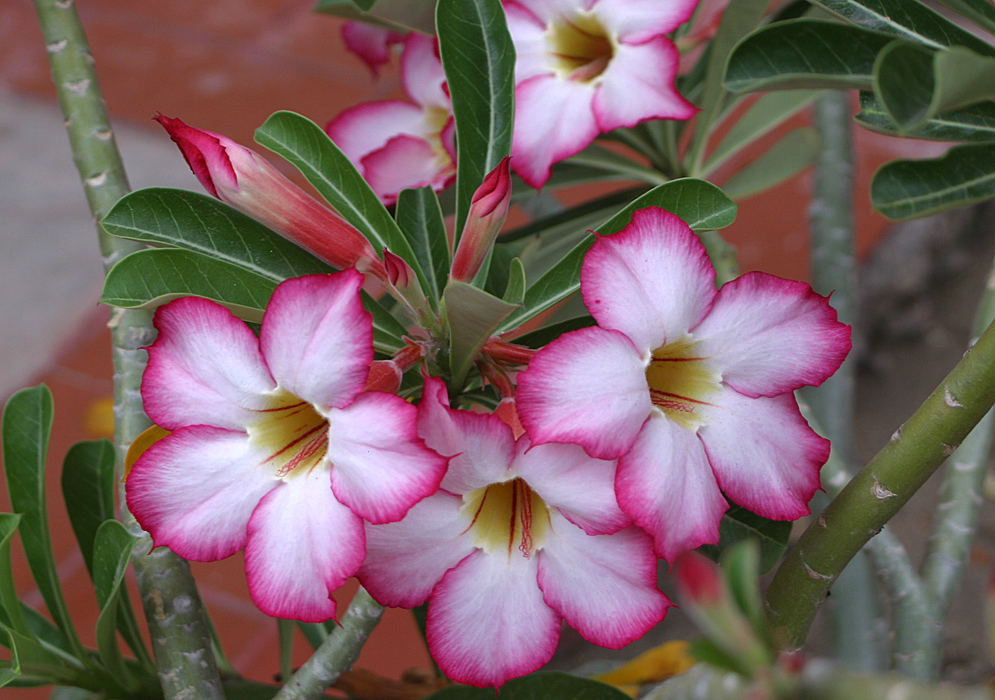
165	583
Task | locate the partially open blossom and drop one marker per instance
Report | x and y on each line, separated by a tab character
689	387
275	447
585	67
370	42
246	181
515	540
398	144
488	210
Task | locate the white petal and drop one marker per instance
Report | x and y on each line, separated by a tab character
380	467
765	456
367	127
768	335
318	339
204	368
404	560
635	21
579	486
529	36
303	544
487	621
421	72
652	280
195	490
665	484
587	387
604	586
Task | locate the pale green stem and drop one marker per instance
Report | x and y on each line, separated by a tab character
875	494
337	653
169	596
855	607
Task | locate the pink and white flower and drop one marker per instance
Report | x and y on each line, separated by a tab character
516	539
585	67
398	144
371	43
689	387
275	446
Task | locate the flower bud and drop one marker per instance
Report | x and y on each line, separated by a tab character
488	210
246	181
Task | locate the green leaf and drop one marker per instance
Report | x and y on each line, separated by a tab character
979	11
164	217
764	115
514	293
111	554
785	159
150	278
708	652
473	317
10	605
975	123
420	218
12	671
905	189
547	334
402	15
479	60
26	427
739	524
606	160
702	205
906	19
306	146
915	84
88	490
738	19
285	633
541	685
741	566
805	53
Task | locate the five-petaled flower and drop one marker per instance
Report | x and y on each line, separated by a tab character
275	446
516	539
690	388
585	67
397	144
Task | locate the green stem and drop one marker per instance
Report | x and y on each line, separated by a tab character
887	482
855	602
172	605
337	653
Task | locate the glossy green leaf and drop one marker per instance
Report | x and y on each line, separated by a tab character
982	12
805	53
563	221
88	490
763	116
785	159
26	427
514	293
738	19
420	218
10	669
702	205
547	334
10	605
111	553
606	160
905	189
479	60
306	146
906	19
973	124
473	317
915	84
394	14
150	278
165	217
741	567
739	524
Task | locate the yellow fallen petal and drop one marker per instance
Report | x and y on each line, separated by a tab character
98	419
141	443
652	666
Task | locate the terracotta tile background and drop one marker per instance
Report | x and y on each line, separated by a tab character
225	65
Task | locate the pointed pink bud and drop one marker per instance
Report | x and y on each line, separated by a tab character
699	580
246	181
404	285
488	210
384	376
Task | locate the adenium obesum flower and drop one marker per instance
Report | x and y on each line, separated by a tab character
246	181
515	540
690	388
275	446
585	67
370	42
397	144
